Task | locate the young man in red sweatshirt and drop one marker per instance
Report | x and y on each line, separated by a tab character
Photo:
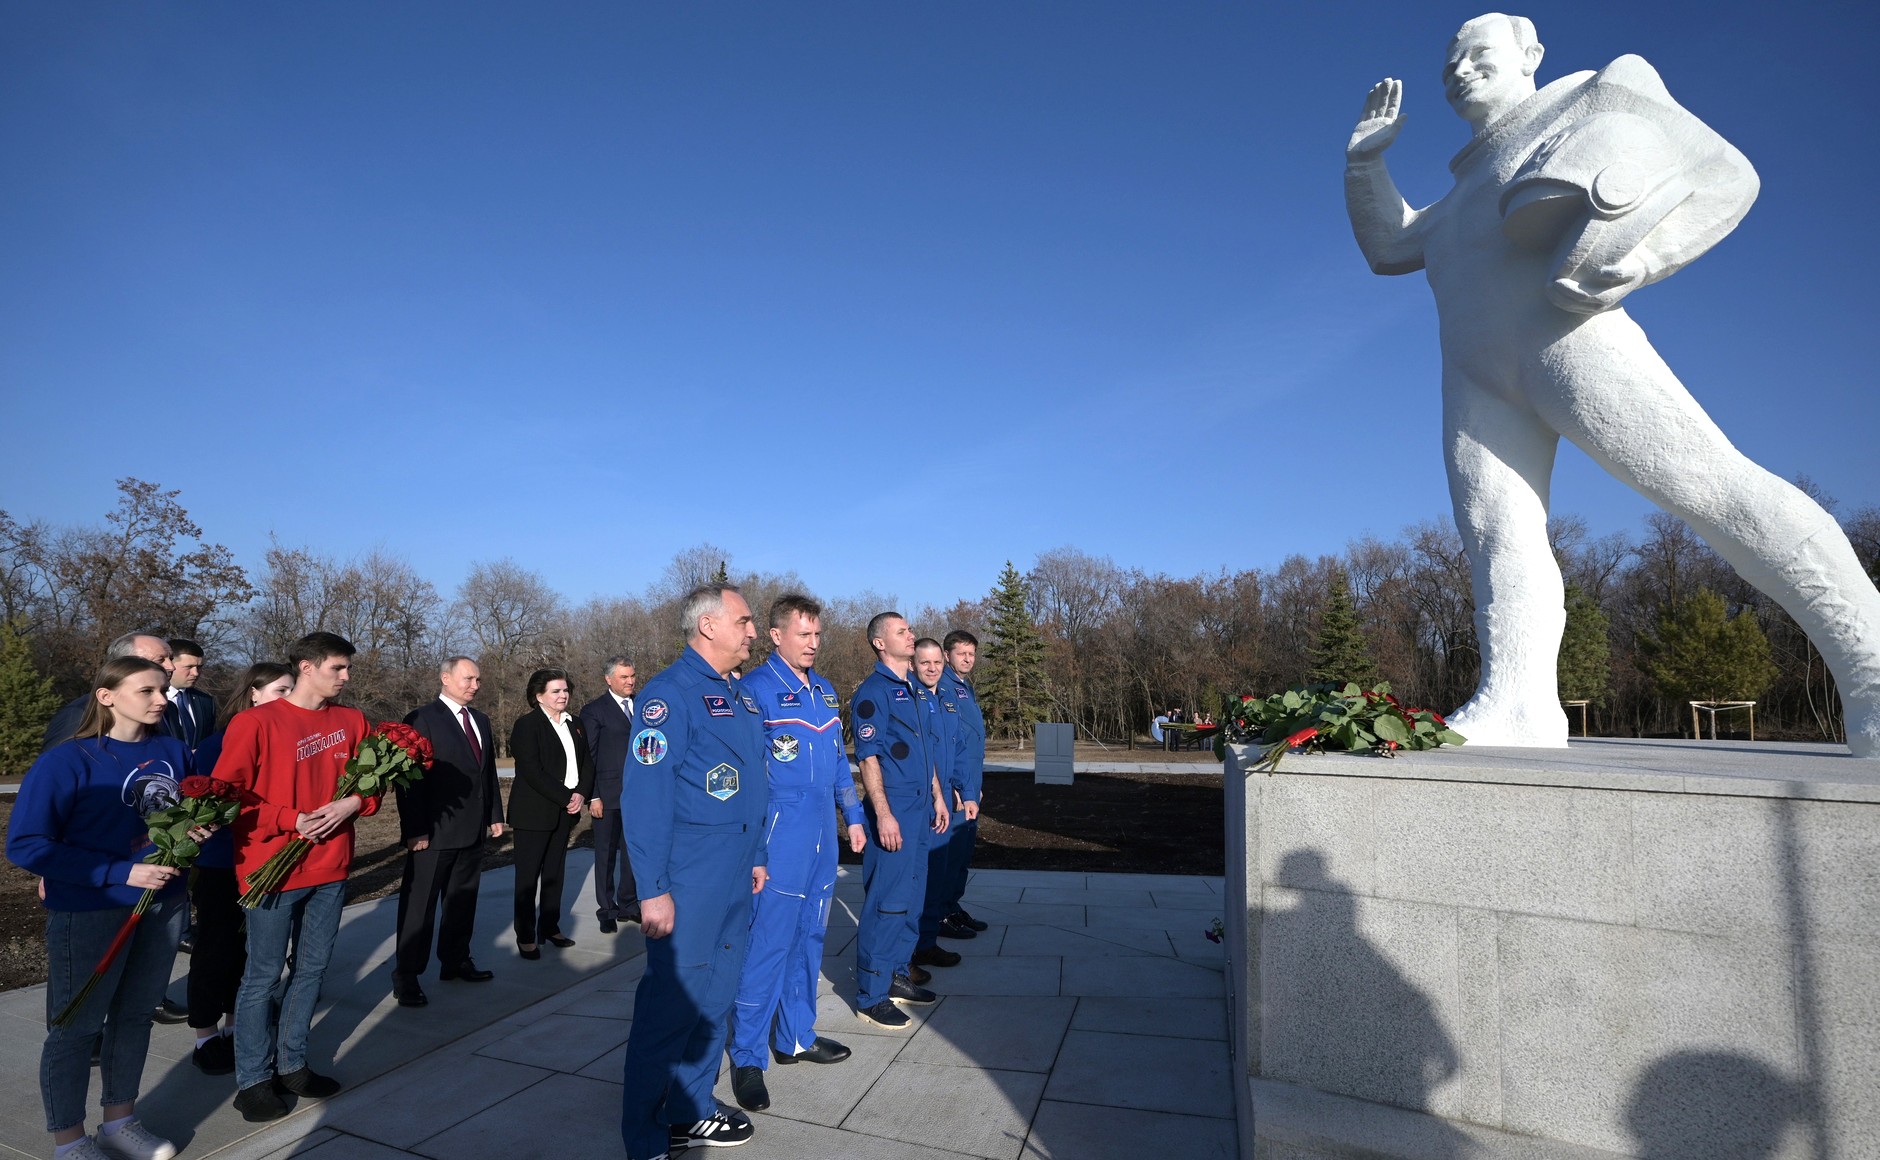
286	758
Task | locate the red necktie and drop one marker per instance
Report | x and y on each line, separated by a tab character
470	731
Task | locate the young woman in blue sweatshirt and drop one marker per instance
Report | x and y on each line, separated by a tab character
79	824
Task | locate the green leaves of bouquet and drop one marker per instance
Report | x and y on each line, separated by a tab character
1332	716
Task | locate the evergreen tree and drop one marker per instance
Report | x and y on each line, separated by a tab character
1701	653
1341	652
27	702
1011	681
1585	664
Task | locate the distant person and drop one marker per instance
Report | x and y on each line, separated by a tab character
946	745
148	645
286	758
904	804
962	650
807	770
694	808
608	719
191	716
554	776
443	819
219	952
78	823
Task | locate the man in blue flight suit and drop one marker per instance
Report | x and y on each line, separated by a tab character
809	777
904	802
962	649
946	746
693	808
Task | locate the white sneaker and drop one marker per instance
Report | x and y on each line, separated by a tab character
86	1149
134	1142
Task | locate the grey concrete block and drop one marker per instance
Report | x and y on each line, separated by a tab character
1168	978
921	1103
1845	1014
1332	816
1002	1032
427	1097
1357	997
822	1093
564	1116
560	1042
1057	940
1153	1015
1298	1121
1523	849
1102	896
1068	1131
999	975
1150	1072
1477	1016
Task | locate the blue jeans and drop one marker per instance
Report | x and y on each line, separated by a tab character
119	1006
309	918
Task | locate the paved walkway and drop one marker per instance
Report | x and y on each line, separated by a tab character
1087	1023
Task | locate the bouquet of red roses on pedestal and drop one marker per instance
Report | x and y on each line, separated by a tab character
392	756
177	833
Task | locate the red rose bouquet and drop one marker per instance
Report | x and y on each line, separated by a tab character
393	755
177	832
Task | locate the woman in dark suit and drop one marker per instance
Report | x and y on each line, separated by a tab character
554	777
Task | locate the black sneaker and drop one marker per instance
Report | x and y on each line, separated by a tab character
961	918
903	990
306	1082
936	957
260	1102
951	929
721	1130
216	1057
885	1014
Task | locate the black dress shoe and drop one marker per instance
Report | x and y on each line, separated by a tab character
466	971
609	926
821	1051
747	1084
170	1011
560	940
918	976
961	918
936	957
531	953
951	929
406	990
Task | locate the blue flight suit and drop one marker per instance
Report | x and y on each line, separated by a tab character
944	733
961	836
887	716
693	807
809	777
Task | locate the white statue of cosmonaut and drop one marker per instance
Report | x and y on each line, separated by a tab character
1566	200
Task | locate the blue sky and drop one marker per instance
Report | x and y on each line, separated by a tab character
881	293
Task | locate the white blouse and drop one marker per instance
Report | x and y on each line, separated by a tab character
570	778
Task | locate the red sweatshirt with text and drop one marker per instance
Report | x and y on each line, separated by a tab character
286	761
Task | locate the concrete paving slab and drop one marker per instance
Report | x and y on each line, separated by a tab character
1059	895
1031	913
1159	883
781	1139
987	942
983	895
565	1043
1074	879
1149	1072
1195	947
422	1101
344	1147
836	1018
1007	1033
999	975
911	1100
1057	940
1150	918
564	1116
1120	975
1065	1131
1153	1015
277	1145
1186	900
821	1093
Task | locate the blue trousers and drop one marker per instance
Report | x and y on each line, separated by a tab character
788	923
684	998
947	856
895	886
309	919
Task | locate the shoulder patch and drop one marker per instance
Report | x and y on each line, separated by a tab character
784	747
653	712
866	732
649	747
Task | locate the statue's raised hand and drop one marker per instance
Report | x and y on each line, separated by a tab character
1378	124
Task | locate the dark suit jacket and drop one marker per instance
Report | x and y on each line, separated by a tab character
456	801
539	798
201	725
609	738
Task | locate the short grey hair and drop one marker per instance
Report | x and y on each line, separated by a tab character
706	600
1523	29
450	663
614	662
126	645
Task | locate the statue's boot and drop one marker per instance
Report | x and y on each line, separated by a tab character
1518	701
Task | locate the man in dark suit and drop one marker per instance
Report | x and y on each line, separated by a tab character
608	720
191	715
443	818
148	645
